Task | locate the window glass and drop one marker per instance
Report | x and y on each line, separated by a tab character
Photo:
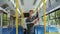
57	13
57	21
47	19
55	18
52	15
58	17
52	22
5	20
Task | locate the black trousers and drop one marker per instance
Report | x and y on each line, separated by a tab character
30	28
25	31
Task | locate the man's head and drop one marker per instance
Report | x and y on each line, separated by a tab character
31	12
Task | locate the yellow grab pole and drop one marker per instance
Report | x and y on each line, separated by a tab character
22	18
16	17
45	19
22	15
44	7
36	8
44	13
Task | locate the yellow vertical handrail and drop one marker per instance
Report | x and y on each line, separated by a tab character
37	7
44	7
22	15
16	17
21	11
44	18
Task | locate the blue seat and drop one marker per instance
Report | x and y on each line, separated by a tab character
53	29
12	30
5	31
39	30
20	30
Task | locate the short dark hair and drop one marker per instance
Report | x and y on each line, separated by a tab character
31	11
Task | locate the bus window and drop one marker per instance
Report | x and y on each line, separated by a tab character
57	13
4	20
52	15
57	21
53	22
47	19
58	17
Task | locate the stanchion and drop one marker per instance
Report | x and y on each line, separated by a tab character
16	17
44	7
22	16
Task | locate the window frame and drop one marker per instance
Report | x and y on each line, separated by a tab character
0	20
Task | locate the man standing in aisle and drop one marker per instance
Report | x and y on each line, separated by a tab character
31	21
